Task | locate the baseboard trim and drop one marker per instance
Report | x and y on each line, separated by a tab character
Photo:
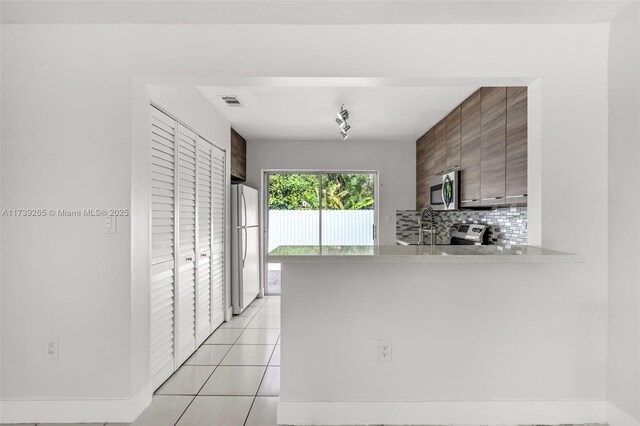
618	417
76	411
441	413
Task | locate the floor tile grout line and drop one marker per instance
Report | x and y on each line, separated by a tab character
214	370
203	384
216	367
232	345
186	408
260	384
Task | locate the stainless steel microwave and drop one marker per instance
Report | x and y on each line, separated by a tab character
444	191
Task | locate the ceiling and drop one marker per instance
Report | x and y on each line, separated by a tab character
313	12
308	113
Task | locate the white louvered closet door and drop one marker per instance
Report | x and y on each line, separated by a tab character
186	294
203	287
217	235
162	246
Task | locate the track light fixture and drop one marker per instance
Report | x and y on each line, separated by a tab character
343	116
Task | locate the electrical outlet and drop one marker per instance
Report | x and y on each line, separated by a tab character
384	350
53	344
387	219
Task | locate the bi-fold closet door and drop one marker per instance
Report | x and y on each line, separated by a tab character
187	242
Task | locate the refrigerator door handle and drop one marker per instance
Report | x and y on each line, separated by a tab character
244	247
244	210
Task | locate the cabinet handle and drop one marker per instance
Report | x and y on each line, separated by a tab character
516	196
203	255
469	201
189	259
491	198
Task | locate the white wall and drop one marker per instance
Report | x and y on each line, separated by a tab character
395	162
73	149
67	119
623	384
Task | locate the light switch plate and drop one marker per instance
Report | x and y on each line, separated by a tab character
109	224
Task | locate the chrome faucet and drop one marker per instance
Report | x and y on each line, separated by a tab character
425	223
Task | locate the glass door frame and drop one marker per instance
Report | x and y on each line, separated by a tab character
264	217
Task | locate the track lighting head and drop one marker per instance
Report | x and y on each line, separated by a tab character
343	114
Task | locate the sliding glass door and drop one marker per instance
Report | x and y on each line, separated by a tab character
348	209
317	209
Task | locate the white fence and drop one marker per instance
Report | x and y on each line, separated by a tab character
339	227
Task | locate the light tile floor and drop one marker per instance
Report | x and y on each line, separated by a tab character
233	379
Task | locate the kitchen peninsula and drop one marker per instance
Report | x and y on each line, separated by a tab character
472	334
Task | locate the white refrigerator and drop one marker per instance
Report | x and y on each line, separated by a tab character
245	246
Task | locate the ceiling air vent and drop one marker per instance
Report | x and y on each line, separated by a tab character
232	101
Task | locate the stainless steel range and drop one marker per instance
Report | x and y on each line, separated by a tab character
469	234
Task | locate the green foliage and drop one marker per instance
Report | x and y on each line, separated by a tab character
340	191
293	191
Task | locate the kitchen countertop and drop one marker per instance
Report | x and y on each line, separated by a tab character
420	254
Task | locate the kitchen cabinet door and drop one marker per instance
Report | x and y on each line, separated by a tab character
453	140
516	147
421	172
440	148
238	157
470	151
234	153
431	147
242	158
493	145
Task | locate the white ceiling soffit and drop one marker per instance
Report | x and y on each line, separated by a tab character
312	12
308	113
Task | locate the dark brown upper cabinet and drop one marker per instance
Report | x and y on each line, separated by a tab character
421	172
453	140
470	151
430	164
238	157
440	148
493	117
516	156
425	147
485	137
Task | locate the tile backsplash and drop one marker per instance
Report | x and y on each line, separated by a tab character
507	225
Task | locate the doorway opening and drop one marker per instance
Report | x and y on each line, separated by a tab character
317	209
